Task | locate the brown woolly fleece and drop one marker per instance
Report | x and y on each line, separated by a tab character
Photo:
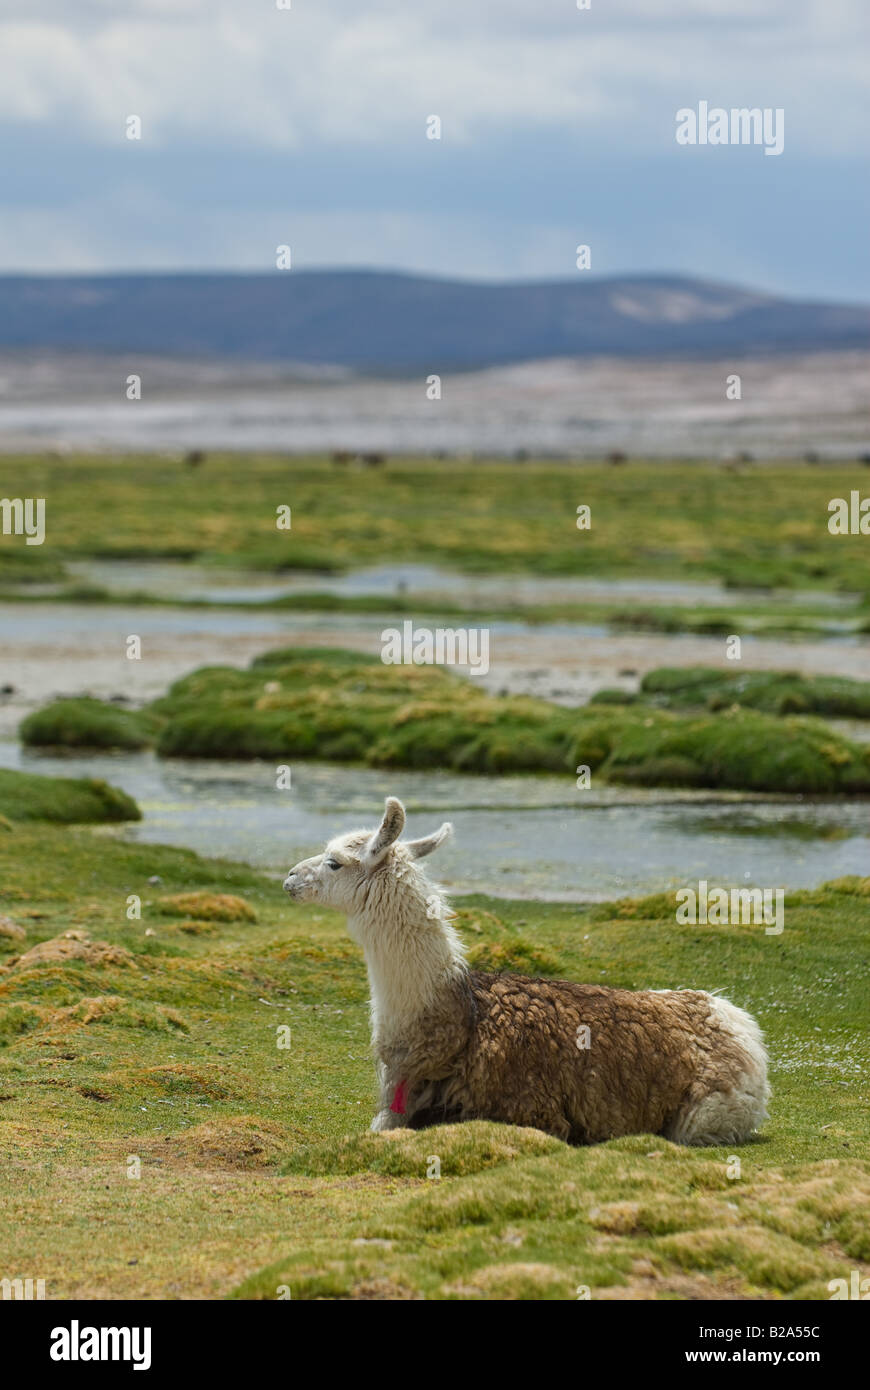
505	1048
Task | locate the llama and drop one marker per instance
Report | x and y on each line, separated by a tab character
583	1062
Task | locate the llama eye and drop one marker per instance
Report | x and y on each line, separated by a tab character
332	864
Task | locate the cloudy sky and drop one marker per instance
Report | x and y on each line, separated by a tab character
307	126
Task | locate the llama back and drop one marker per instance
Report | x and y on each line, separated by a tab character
589	1063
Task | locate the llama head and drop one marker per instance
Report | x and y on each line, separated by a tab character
366	872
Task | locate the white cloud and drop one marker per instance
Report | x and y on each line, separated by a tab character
229	71
521	86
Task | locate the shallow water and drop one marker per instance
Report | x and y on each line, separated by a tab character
516	836
536	837
173	579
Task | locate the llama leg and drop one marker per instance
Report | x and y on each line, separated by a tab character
391	1103
387	1119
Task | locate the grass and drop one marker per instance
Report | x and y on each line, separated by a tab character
135	1046
773	692
26	796
88	723
346	706
764	527
155	1138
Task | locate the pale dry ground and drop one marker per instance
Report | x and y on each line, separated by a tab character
571	407
51	650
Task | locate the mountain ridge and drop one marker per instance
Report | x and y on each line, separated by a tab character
397	322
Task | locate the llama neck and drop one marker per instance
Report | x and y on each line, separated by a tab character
409	972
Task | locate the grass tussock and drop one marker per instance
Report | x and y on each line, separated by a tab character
517	955
236	1142
74	945
177	1079
207	907
11	931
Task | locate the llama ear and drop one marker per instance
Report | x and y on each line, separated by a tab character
386	834
418	849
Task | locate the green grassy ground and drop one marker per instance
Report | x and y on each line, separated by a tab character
153	1041
155	1140
345	706
765	526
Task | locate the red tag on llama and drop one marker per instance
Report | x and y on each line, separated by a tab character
398	1105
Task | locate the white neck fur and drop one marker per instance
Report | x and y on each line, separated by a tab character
413	954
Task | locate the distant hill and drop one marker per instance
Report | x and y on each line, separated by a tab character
383	321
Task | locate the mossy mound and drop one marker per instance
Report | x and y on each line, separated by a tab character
347	707
88	723
772	692
27	796
460	1149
